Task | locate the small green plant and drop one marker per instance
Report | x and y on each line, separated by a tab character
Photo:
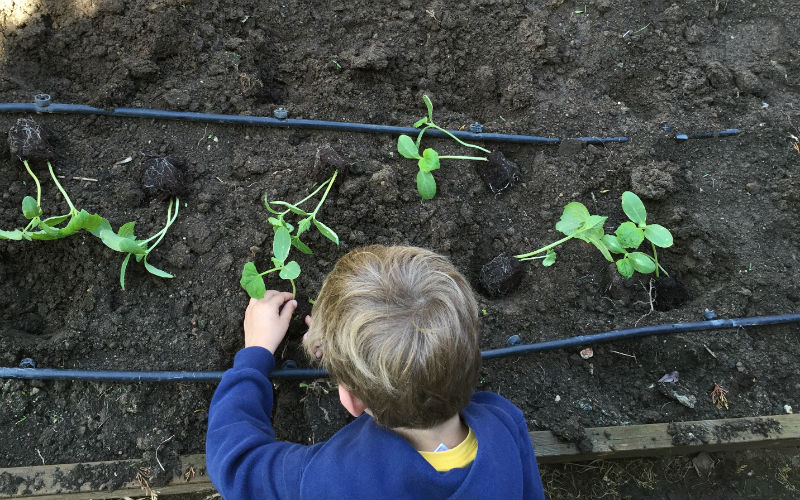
27	140
577	222
429	160
252	280
125	241
48	228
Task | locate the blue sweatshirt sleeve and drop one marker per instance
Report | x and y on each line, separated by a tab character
243	458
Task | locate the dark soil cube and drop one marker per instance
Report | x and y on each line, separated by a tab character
163	178
326	162
502	275
499	172
28	141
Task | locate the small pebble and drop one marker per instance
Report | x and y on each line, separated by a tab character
753	187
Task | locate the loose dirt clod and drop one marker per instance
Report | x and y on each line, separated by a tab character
163	178
28	141
502	275
499	173
326	162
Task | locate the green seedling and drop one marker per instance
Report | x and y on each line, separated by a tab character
252	280
429	160
577	222
48	228
125	241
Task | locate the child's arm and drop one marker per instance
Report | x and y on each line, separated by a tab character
242	456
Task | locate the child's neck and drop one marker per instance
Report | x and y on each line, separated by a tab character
450	432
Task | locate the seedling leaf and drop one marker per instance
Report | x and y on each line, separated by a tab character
11	235
426	185
290	271
625	267
252	282
612	243
422	121
658	235
642	262
629	235
598	243
429	160
429	105
122	269
29	208
574	216
303	226
634	208
301	246
113	241
54	221
326	231
549	259
154	270
406	147
126	230
281	244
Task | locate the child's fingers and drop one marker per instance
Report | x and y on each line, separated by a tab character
308	321
277	299
287	311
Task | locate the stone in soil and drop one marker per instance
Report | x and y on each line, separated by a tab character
499	173
502	275
163	178
28	141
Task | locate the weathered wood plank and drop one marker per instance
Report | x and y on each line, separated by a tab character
680	438
95	480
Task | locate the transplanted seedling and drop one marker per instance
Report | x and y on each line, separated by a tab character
162	179
577	222
253	280
27	138
125	241
429	160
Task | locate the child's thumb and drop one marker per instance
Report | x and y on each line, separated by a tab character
287	311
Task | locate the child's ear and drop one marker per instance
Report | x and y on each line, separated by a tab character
351	403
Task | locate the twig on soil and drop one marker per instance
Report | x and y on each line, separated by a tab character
40	456
90	179
710	352
623	354
159	446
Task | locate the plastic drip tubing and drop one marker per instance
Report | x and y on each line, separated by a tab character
728	132
82	109
303	373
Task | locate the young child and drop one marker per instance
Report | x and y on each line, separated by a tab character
398	329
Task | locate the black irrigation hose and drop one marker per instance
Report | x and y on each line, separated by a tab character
297	373
43	105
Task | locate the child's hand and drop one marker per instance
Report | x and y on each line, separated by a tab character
317	347
265	323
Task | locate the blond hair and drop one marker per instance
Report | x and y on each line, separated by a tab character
398	327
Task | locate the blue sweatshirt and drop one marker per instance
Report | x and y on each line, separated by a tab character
363	459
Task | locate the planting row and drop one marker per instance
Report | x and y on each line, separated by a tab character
163	179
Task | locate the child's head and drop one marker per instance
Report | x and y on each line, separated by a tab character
398	327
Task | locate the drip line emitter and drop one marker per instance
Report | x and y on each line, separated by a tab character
42	104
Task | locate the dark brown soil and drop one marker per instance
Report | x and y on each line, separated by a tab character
645	69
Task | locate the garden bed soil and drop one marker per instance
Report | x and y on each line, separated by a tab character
646	70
